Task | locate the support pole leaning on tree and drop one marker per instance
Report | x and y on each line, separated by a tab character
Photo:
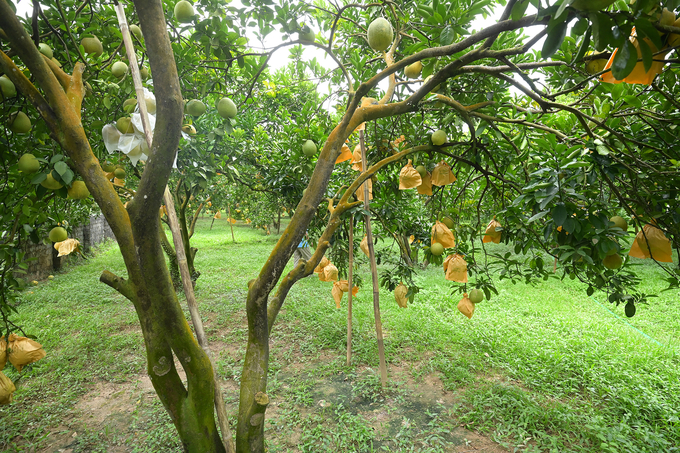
374	269
176	235
349	292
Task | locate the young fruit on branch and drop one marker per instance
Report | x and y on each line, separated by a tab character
380	34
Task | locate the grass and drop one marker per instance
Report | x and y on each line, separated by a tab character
538	368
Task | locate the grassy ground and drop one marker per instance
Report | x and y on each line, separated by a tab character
540	368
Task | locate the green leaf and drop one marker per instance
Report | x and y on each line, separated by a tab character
633	100
624	61
647	56
447	36
535	217
554	40
519	9
559	214
602	30
645	29
585	44
61	167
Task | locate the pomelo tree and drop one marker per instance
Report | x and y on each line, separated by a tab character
549	149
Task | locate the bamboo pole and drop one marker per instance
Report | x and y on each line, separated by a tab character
350	286
374	270
176	236
231	225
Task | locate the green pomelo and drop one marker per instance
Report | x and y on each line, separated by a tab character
307	36
28	163
619	222
184	11
124	125
422	171
78	190
19	123
150	106
195	107
591	5
612	261
119	173
630	309
189	129
119	69
437	249
7	87
439	138
476	296
108	167
448	221
51	183
135	30
92	46
46	50
309	148
58	234
412	71
226	108
380	34
129	105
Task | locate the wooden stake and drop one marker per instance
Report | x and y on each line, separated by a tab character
176	236
231	225
350	286
374	270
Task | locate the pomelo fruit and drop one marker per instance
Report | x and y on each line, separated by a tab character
92	46
7	87
448	221
58	234
51	183
78	190
144	72
19	123
150	105
412	71
422	171
306	35
380	34
476	296
135	30
195	107
184	11
28	163
437	249
612	262
619	222
129	105
189	129
309	148
119	173
226	108
45	50
630	309
439	138
119	69
124	125
591	5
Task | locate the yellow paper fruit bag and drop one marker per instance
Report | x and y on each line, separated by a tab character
400	295
638	74
466	306
345	154
364	245
425	188
3	352
24	351
329	273
323	263
442	175
491	235
6	389
659	246
442	234
67	247
360	190
356	159
455	267
409	177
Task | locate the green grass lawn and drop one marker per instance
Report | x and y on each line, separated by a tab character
538	368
